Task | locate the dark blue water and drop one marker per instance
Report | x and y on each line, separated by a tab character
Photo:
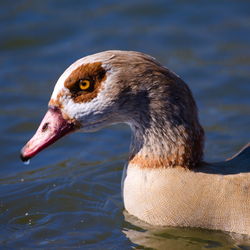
69	196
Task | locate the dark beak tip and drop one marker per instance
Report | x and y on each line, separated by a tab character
23	158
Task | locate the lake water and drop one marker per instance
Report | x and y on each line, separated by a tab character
69	195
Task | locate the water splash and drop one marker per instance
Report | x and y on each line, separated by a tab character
26	162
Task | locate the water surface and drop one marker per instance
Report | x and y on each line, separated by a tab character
69	196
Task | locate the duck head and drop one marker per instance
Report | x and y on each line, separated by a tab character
120	87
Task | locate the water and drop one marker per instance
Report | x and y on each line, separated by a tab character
69	196
26	162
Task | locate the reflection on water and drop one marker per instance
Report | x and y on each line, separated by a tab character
176	238
69	196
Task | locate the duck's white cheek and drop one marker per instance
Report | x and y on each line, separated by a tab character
84	112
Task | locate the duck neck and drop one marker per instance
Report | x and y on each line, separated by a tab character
167	140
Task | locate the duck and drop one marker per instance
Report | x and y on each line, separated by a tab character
165	182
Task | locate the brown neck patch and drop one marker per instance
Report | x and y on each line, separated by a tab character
94	72
181	158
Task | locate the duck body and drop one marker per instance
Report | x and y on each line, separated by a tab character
185	198
166	181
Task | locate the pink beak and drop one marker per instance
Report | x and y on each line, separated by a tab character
52	128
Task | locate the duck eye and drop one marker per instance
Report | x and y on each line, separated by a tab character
84	84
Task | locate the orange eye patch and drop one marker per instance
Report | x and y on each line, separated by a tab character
85	82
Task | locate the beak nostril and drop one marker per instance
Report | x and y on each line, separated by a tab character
45	127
